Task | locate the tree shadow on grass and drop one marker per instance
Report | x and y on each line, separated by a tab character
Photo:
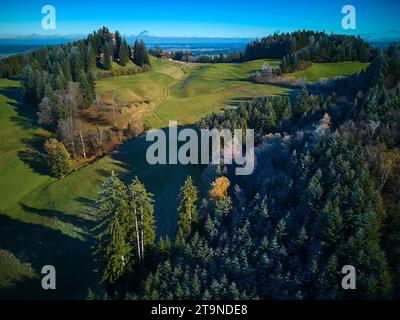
164	181
66	218
235	102
34	156
89	203
39	246
35	160
26	113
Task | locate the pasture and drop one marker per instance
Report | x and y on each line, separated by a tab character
319	71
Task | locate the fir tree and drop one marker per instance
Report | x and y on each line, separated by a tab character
141	218
113	245
301	105
107	60
117	47
91	58
187	211
123	53
87	87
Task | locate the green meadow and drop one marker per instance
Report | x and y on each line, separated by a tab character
209	88
319	71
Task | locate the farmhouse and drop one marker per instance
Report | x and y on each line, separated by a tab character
165	55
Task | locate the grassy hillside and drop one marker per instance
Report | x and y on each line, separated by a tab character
177	91
208	88
144	87
318	71
116	66
41	218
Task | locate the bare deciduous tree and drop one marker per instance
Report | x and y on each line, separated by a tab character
123	104
113	106
98	139
98	104
45	114
66	133
82	143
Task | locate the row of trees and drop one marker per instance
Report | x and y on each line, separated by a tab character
296	50
126	231
126	228
264	115
187	56
140	54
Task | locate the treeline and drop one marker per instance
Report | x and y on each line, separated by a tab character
298	49
324	194
264	115
187	56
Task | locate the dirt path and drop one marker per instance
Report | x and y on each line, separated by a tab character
167	91
140	111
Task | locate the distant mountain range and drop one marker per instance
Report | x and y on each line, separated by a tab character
393	35
389	36
14	44
144	35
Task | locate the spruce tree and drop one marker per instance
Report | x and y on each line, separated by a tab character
140	54
117	47
141	219
86	84
117	252
187	211
107	60
123	53
113	245
301	105
136	53
91	58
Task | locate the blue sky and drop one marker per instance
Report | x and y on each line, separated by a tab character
245	18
